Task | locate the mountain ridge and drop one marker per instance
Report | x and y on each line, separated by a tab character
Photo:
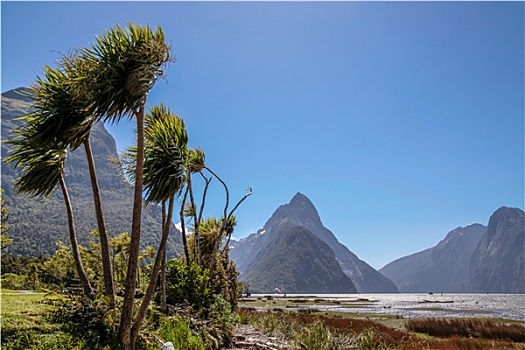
301	212
306	265
442	268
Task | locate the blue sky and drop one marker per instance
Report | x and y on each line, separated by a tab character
399	120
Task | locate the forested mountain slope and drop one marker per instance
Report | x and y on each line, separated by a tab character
35	224
298	262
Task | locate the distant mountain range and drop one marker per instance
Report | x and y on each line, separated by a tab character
293	252
254	255
470	259
35	224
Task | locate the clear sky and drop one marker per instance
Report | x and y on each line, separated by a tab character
400	121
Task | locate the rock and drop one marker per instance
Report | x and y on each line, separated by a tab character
168	346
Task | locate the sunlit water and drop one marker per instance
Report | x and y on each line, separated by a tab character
505	306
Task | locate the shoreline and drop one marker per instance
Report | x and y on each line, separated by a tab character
395	306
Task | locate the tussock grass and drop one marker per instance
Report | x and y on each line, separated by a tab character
320	332
312	332
468	328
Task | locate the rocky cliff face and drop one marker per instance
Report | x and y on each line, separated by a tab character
301	212
37	223
470	259
297	262
443	268
497	264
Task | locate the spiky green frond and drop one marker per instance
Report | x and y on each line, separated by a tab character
195	160
165	146
61	110
128	62
40	168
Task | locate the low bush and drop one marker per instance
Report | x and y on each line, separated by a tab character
92	322
177	331
187	284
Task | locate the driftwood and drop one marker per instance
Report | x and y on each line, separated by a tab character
436	301
247	337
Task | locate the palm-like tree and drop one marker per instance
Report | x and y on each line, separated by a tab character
164	173
127	62
42	171
65	112
195	162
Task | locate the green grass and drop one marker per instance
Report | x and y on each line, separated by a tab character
24	323
23	311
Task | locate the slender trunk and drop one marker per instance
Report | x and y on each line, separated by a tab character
82	275
204	195
109	287
129	292
233	211
163	263
183	227
137	324
163	296
227	204
196	247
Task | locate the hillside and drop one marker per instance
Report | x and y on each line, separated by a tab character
443	268
497	264
470	259
35	224
246	253
297	262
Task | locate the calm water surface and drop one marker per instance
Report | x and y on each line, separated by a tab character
507	306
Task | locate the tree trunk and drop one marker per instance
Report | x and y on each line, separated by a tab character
163	296
163	306
129	292
137	324
196	223
109	287
183	227
84	280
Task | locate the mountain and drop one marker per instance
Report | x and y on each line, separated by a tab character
497	264
248	252
443	268
298	262
35	224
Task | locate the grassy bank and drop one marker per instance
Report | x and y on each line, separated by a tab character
26	326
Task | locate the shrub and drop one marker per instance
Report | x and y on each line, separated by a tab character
222	321
13	281
90	321
187	284
177	331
